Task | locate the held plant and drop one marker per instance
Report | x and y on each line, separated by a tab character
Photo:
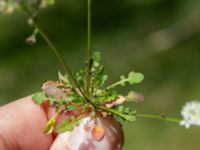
82	102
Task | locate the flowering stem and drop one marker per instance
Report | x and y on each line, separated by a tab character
44	36
158	117
89	30
87	68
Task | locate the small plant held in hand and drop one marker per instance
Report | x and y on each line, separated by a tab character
91	111
79	103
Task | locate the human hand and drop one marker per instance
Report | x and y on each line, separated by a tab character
21	127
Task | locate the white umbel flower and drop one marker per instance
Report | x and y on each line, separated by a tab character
191	114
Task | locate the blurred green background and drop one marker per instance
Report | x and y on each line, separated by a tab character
160	38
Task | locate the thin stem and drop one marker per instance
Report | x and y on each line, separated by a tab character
109	110
89	30
87	68
115	84
44	36
48	41
158	117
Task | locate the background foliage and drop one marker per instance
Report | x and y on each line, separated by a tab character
157	37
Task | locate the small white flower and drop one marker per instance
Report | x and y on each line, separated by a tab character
191	114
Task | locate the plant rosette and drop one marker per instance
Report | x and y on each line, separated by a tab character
88	118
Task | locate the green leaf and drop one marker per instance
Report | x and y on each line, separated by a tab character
64	79
126	113
133	112
70	107
74	121
51	101
50	125
64	126
104	78
96	64
134	77
112	95
121	108
130	118
123	79
96	56
39	97
93	69
62	101
127	117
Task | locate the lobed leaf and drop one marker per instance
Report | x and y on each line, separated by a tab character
135	77
39	97
96	56
123	80
128	117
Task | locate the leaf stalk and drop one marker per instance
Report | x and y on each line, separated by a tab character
159	117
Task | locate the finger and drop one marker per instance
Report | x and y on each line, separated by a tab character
21	126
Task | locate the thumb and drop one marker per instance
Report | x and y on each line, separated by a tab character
21	126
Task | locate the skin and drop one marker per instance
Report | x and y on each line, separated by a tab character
21	127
